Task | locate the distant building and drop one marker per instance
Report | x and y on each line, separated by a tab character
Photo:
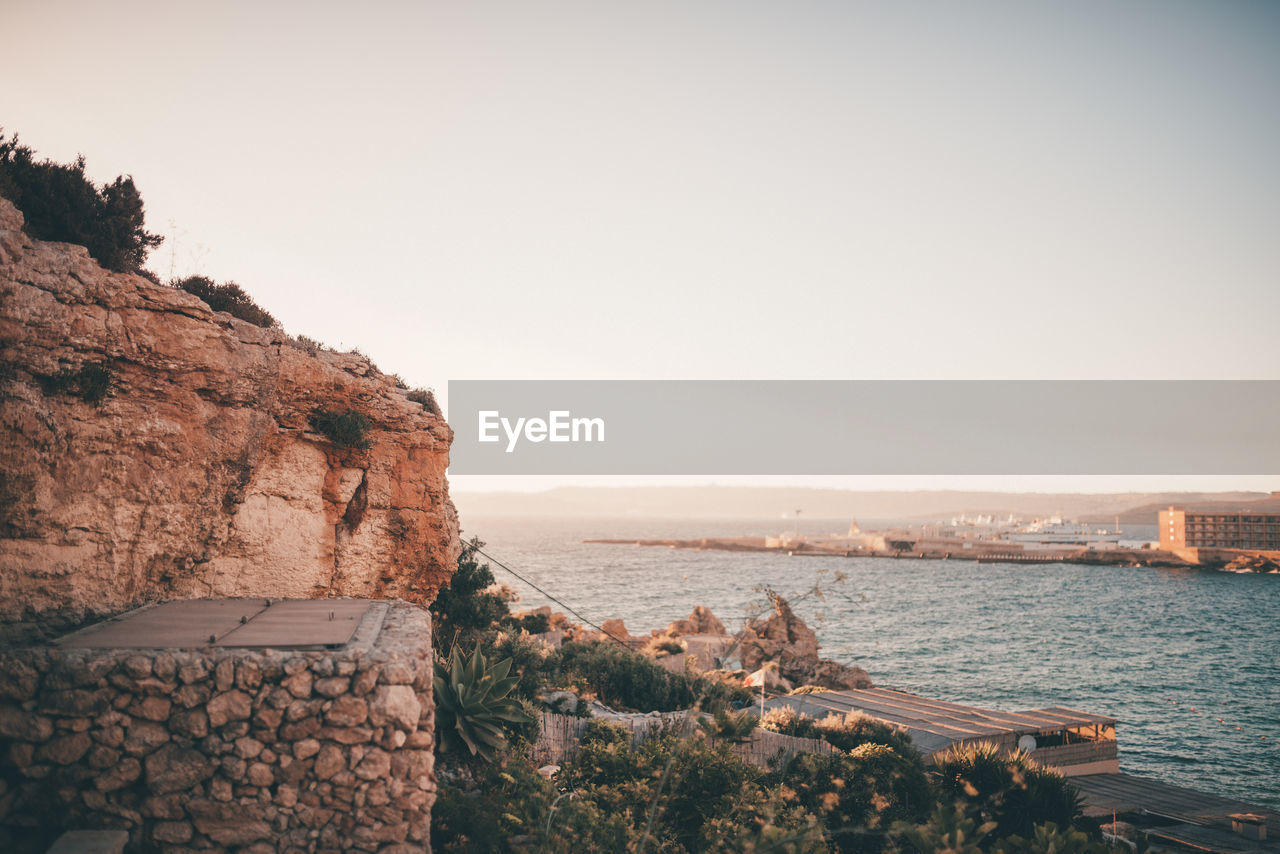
1244	529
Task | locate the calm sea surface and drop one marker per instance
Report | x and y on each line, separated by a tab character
1166	652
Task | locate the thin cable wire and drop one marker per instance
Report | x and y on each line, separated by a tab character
600	629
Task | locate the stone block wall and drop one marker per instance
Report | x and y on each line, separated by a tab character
224	749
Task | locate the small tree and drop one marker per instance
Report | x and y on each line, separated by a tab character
59	202
466	608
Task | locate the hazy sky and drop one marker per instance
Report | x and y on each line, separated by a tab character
698	190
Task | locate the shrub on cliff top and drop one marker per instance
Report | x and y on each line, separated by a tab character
426	398
228	297
60	203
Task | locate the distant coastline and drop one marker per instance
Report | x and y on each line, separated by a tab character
749	502
1111	557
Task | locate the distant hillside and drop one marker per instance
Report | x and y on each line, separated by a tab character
709	502
1226	502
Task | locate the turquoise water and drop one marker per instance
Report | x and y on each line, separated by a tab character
1166	652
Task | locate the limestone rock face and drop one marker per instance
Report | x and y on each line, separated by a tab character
200	473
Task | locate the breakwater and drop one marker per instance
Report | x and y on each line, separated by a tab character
986	552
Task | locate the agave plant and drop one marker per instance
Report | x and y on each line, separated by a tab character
472	705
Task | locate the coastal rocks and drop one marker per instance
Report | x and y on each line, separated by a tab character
616	629
700	622
200	472
784	639
832	674
697	643
250	765
1253	563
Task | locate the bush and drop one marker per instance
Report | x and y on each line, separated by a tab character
344	429
228	297
949	830
535	662
952	830
59	202
859	795
670	646
1009	789
856	729
90	383
310	346
844	732
514	808
426	398
534	624
686	794
730	727
1050	839
464	609
622	677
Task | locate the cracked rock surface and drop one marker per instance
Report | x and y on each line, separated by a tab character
199	473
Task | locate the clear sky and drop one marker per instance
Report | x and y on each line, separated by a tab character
818	190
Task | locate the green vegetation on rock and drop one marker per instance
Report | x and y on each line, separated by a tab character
228	297
60	203
344	429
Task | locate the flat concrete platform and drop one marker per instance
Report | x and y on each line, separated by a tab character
243	623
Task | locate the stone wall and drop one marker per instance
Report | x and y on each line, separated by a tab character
219	749
201	472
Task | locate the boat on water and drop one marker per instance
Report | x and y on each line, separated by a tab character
1056	531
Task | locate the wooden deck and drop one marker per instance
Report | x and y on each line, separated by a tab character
1200	821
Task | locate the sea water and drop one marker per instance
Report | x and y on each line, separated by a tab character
1187	661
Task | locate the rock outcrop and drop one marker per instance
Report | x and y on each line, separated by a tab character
700	622
200	473
784	639
1253	563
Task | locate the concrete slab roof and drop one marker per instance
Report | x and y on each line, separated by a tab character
180	624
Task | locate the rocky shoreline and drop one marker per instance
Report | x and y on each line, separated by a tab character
777	651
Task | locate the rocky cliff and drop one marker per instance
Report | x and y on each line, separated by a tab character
152	448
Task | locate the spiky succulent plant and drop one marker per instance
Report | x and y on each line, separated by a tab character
472	703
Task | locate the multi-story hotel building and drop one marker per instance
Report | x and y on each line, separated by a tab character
1192	529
